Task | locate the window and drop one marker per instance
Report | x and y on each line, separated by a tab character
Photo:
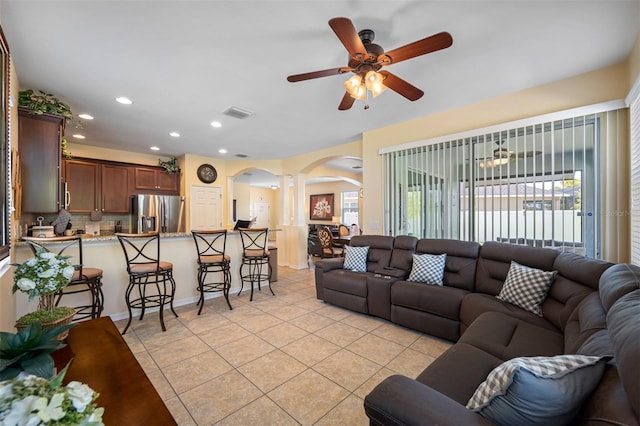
531	184
349	201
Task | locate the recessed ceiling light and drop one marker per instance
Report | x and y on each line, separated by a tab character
174	134
155	148
216	124
79	136
85	116
222	151
124	101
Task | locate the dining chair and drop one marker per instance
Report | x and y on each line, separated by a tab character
150	276
85	279
212	259
329	247
255	257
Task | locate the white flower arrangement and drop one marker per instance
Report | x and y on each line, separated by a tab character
30	400
42	275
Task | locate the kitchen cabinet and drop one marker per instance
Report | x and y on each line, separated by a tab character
96	186
156	180
39	138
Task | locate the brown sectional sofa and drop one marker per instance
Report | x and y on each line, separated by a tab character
593	308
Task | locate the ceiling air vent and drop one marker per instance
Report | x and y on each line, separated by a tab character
237	112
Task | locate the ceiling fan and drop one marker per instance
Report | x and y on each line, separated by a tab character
502	155
367	58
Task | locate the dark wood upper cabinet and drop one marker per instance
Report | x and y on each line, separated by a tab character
94	186
156	180
39	139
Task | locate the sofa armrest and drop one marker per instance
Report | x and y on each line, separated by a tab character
330	264
399	400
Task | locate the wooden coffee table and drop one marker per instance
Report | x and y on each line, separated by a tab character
102	360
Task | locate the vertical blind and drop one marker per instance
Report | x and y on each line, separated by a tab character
534	184
634	119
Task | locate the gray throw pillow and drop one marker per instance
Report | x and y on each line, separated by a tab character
428	268
355	258
538	390
526	287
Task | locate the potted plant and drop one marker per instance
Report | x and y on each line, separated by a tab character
171	165
42	276
33	400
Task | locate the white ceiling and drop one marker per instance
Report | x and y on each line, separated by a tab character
184	62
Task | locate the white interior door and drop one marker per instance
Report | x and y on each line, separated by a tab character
262	213
206	207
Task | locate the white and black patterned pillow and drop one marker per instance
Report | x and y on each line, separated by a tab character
537	390
428	268
355	258
526	287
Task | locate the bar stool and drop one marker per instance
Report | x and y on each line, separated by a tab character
84	280
255	256
210	246
147	273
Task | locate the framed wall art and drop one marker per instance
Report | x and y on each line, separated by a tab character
321	207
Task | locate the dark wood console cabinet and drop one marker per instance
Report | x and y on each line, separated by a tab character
39	139
96	186
156	180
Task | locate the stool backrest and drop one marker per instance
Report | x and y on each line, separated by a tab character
140	249
70	246
343	230
210	243
254	239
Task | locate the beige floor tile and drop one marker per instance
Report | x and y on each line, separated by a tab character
333	312
395	333
410	363
205	322
262	411
340	334
349	412
373	381
311	304
347	369
219	336
194	371
146	361
310	349
431	346
134	343
288	312
363	322
376	349
151	335
259	321
161	385
219	397
178	351
282	334
179	412
244	350
271	370
312	322
308	396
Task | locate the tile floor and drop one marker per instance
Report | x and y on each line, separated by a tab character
287	359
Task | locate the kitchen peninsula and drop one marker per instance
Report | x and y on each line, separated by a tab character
104	252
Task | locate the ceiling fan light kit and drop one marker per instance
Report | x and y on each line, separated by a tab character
367	58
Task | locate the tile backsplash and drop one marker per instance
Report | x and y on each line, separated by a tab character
79	221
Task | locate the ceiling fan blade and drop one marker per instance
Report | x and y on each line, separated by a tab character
317	74
421	47
346	32
401	87
527	154
346	102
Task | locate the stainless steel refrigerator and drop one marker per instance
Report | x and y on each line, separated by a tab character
157	213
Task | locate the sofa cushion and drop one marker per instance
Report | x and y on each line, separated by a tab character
404	246
355	258
617	281
526	287
346	281
586	320
475	304
511	337
442	301
460	265
380	249
428	268
538	390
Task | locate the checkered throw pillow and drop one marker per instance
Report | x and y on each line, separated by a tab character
537	390
526	287
355	258
428	268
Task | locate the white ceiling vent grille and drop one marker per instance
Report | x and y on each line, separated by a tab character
237	112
